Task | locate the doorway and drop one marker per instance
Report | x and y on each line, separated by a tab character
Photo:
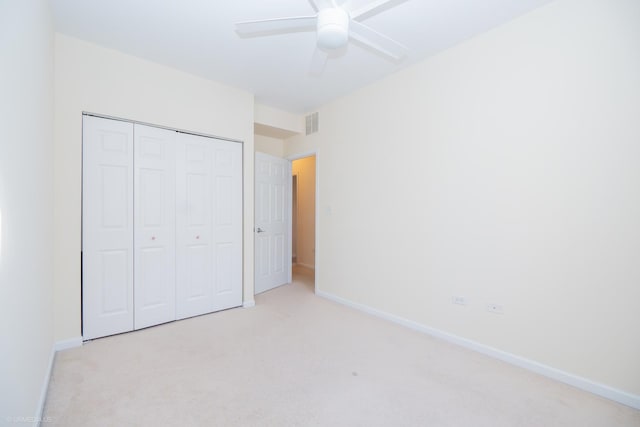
294	218
303	215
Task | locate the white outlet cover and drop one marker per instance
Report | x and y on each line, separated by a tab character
459	300
495	308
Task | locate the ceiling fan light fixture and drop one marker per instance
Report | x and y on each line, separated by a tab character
333	28
336	23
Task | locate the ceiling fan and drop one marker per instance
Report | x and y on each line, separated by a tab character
335	22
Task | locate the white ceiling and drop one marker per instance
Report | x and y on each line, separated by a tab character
198	36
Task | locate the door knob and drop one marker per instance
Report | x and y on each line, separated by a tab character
260	230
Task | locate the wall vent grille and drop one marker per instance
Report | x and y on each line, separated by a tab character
312	123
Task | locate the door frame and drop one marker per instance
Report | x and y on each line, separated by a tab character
312	153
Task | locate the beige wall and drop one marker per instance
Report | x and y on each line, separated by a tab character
268	145
26	206
278	119
504	170
98	80
305	169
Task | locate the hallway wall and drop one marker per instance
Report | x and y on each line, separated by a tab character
268	145
305	168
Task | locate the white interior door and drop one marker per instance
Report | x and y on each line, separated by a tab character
272	222
154	216
107	227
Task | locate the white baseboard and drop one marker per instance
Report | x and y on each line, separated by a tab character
310	267
248	304
45	385
605	391
67	344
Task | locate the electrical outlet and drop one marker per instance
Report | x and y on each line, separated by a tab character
495	308
459	300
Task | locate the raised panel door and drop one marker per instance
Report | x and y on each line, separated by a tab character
273	222
194	290
154	215
107	227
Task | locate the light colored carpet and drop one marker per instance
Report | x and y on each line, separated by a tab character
299	360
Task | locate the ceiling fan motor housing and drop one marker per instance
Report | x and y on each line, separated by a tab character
333	28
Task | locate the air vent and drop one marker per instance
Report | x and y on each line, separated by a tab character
312	123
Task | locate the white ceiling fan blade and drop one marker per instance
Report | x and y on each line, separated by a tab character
276	25
346	5
377	41
318	5
318	61
373	7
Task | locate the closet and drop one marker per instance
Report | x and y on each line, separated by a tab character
161	226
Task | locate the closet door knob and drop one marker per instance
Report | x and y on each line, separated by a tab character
197	237
153	237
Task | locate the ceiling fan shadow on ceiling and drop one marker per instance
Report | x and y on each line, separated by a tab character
335	22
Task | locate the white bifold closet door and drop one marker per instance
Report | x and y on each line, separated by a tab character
194	242
107	227
226	257
162	226
155	226
209	225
